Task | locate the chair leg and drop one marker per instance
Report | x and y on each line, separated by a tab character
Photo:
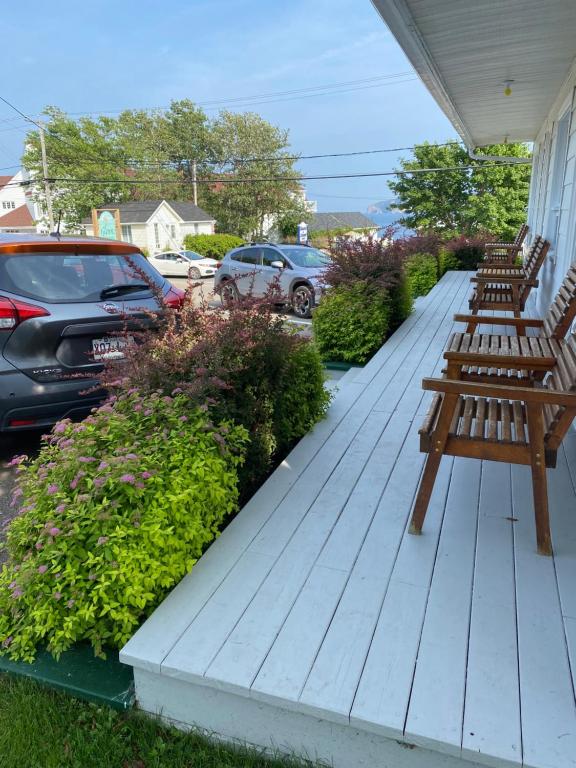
539	482
438	442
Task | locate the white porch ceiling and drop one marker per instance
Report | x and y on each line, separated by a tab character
464	51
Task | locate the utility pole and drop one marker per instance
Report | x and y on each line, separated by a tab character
194	183
47	191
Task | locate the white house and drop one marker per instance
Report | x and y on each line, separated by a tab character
17	212
159	225
506	72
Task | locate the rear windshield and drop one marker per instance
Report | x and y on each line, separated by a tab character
192	255
64	277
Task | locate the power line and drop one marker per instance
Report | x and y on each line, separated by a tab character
280	179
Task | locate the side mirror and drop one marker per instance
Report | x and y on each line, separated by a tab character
277	264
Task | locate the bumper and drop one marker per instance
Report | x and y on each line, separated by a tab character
27	404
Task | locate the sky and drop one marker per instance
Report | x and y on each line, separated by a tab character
116	54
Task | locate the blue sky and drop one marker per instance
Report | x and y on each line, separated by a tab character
127	54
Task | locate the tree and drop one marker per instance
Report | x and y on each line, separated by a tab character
251	151
491	197
149	155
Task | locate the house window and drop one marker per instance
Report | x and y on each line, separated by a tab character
127	233
173	231
195	229
8	204
156	236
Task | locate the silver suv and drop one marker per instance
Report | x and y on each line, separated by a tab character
253	269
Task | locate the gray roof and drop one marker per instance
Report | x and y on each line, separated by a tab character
320	222
139	211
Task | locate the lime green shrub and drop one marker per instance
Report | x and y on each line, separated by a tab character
421	273
213	246
115	511
447	261
351	322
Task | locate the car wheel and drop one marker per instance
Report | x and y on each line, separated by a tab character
302	301
194	273
229	292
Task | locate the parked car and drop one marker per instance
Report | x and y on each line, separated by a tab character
252	269
63	302
183	264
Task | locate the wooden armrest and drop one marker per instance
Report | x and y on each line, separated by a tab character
504	280
518	322
499	265
501	392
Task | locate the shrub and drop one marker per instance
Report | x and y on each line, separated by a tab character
351	322
214	246
447	261
467	251
115	511
421	273
242	363
375	262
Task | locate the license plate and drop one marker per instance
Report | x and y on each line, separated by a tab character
110	347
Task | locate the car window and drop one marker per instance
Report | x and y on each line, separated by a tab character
192	255
160	256
249	256
60	277
310	258
269	255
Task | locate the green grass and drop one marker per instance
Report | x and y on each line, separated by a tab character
45	729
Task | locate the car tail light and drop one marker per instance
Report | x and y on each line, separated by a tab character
218	265
174	298
13	312
22	422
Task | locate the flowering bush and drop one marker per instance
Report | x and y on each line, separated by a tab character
351	322
114	512
241	363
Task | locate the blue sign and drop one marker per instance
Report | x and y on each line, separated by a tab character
302	232
106	225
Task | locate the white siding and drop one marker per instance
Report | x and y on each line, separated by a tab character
197	228
552	203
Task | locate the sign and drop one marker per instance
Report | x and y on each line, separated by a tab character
106	223
302	235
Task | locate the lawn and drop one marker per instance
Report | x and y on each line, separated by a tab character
44	729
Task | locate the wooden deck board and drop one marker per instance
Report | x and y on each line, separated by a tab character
316	604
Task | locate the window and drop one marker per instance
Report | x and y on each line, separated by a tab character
8	204
269	255
127	233
249	256
173	231
196	229
156	236
61	277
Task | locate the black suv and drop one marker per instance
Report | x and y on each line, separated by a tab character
63	302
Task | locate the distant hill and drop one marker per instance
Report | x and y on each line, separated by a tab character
380	212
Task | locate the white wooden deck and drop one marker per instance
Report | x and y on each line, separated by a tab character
316	624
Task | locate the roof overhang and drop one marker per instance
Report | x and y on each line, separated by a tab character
466	51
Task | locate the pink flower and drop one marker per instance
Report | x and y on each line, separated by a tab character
42	568
60	508
131	456
177	391
86	459
146	475
39	545
91	577
70	603
16	593
74	483
127	479
102	540
60	427
7	641
147	412
57	595
52	489
54	531
103	465
183	418
99	481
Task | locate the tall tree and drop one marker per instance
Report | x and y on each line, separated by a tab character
148	155
489	197
255	180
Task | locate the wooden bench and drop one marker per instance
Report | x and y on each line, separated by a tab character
504	253
518	425
495	358
508	290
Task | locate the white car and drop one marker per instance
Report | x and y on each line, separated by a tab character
183	264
